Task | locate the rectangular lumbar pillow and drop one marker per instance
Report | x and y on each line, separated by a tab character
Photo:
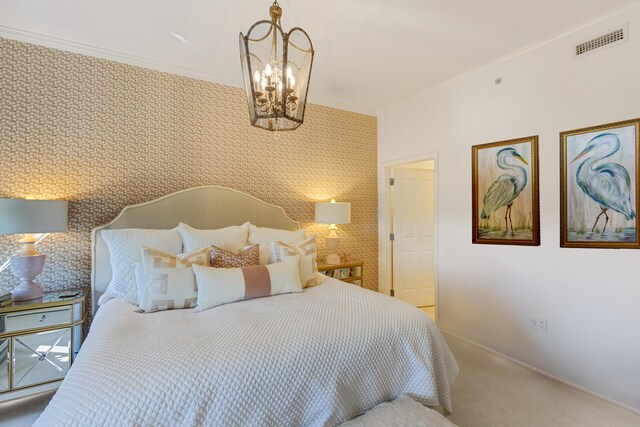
307	253
217	286
124	251
170	283
261	236
230	238
222	258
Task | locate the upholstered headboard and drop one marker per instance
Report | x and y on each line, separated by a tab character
208	207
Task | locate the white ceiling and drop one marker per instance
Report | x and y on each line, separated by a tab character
369	53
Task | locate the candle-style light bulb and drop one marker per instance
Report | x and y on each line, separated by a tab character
292	82
268	70
256	77
289	72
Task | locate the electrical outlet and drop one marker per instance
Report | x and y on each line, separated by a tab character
533	323
542	325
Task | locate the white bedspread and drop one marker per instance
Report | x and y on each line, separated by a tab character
315	358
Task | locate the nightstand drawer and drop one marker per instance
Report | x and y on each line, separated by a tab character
36	319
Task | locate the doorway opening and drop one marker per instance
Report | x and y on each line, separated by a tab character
411	250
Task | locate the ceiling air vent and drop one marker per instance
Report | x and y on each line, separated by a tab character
606	40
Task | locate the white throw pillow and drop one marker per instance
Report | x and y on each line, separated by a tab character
230	238
170	283
138	282
217	286
307	253
261	236
136	276
124	251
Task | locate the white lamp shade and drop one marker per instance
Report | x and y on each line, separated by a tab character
333	213
19	216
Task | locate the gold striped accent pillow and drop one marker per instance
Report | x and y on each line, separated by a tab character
308	254
170	283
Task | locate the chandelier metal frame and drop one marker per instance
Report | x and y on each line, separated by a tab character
277	94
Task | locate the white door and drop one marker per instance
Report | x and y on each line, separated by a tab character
413	228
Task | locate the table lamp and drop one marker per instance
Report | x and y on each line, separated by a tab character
19	216
333	213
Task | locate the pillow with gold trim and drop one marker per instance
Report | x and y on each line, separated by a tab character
217	286
222	258
170	283
124	251
307	253
261	236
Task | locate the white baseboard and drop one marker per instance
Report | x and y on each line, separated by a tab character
543	373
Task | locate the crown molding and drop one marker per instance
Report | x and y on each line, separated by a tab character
138	61
111	55
339	105
569	32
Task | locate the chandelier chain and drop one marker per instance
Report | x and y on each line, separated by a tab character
275	11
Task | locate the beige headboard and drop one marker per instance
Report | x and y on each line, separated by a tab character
207	207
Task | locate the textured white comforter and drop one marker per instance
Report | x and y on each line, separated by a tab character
315	358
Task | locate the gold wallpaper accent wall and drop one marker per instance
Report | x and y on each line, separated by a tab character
105	135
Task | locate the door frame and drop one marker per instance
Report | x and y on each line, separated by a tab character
384	220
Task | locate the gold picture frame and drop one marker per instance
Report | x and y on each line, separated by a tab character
505	182
599	181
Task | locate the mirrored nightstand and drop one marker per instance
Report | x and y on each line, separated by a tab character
39	340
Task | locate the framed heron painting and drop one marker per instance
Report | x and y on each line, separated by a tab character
506	207
599	183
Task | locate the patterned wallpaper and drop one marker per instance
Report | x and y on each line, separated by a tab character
105	135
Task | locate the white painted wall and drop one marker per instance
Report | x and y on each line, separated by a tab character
590	297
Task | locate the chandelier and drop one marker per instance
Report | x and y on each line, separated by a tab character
276	67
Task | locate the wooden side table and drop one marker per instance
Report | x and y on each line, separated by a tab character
39	340
350	272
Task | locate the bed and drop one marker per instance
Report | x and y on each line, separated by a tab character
316	358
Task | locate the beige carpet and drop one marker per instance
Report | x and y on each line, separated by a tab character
490	392
23	412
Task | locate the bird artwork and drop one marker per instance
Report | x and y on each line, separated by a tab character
607	184
506	189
